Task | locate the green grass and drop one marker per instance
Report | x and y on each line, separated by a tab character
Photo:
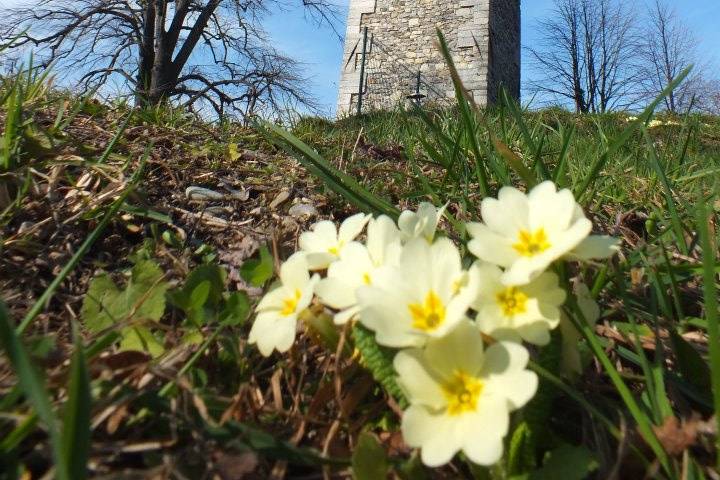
690	151
655	187
615	166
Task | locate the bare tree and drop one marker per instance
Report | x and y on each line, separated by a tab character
586	55
198	53
711	101
669	47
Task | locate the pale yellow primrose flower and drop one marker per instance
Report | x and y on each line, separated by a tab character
276	323
526	233
325	242
357	266
420	224
461	397
426	296
518	313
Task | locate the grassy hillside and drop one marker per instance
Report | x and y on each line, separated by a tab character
129	291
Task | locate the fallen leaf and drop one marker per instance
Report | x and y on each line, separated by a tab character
676	436
281	198
235	467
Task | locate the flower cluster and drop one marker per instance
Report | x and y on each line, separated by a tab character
459	329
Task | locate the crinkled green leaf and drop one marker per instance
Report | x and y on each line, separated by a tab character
100	307
379	362
142	339
142	300
369	460
521	452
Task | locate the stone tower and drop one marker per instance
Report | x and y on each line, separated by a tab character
403	64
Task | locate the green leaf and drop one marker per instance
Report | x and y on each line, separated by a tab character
95	311
412	469
467	115
141	301
171	238
214	275
379	362
567	463
236	309
533	432
639	415
269	446
521	453
233	153
369	460
628	329
142	339
193	337
13	439
76	416
667	192
200	295
258	271
33	386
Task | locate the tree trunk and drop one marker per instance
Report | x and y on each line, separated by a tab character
147	54
165	70
161	83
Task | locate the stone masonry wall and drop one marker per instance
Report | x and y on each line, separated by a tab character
483	36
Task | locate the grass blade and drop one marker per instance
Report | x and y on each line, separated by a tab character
643	422
467	115
340	183
118	135
668	192
34	387
14	438
559	174
534	147
711	308
584	188
76	422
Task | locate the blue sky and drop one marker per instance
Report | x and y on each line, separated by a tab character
321	51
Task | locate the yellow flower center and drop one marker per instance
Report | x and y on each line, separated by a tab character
512	301
290	304
430	315
462	393
366	279
531	244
